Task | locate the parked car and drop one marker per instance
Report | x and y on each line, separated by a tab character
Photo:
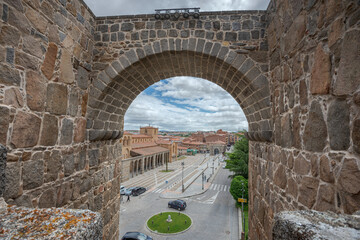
136	191
136	236
122	190
177	204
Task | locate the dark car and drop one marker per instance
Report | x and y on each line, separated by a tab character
136	191
135	236
177	204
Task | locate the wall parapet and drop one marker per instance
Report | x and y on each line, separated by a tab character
49	223
302	225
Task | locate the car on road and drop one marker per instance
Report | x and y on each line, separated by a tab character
136	191
177	204
125	191
136	236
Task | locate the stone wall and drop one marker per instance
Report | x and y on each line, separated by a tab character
314	160
46	50
133	52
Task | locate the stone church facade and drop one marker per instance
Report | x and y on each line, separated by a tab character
67	78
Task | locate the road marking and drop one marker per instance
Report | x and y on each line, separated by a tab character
155	178
212	199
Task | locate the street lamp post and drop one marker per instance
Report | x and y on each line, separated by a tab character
182	176
242	206
202	181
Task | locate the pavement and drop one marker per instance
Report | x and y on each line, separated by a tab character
195	185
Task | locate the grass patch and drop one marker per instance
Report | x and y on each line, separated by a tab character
181	158
161	225
169	170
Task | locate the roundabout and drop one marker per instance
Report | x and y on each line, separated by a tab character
169	223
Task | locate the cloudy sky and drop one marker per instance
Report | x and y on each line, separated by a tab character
185	103
126	7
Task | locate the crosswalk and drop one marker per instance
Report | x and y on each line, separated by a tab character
219	187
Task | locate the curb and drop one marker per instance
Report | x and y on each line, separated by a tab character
168	234
240	223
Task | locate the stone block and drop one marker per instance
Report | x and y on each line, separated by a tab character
69	164
13	98
295	34
326	171
348	79
286	131
314	225
320	74
315	133
3	159
230	36
308	191
247	25
301	166
79	130
48	199
13	188
9	76
4	124
33	174
349	179
94	157
280	178
26	130
49	130
326	198
54	165
127	27
338	125
57	98
35	91
26	61
356	135
66	136
9	36
49	63
66	68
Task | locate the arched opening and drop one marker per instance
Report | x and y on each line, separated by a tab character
216	151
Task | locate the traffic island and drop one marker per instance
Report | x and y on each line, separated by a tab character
169	223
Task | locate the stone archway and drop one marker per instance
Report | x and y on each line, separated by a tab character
119	84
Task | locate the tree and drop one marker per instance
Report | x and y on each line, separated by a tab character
239	159
239	188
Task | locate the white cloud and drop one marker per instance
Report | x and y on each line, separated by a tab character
210	108
126	7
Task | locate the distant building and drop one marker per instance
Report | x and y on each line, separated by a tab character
142	152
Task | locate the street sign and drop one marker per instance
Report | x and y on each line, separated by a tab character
243	200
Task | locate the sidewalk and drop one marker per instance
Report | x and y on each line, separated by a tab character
193	186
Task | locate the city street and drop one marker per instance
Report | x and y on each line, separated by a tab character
213	212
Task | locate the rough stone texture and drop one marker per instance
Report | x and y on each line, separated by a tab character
339	125
26	130
49	130
356	135
4	124
9	76
35	91
65	223
320	75
306	225
315	133
56	98
79	130
348	79
66	131
33	173
13	178
49	62
66	68
308	191
13	98
3	158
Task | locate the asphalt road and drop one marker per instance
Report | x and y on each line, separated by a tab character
213	213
